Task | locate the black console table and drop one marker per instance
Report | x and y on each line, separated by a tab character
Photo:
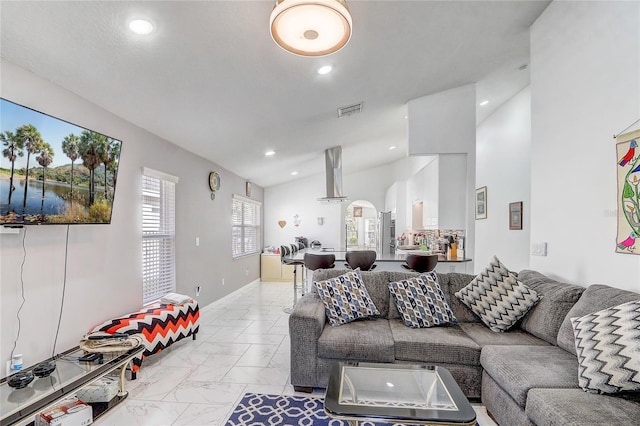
19	406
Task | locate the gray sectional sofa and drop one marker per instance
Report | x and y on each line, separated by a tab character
526	376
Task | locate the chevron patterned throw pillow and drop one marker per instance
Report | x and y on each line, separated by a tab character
346	298
421	302
608	348
497	297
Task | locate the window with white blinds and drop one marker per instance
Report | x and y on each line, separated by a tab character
158	235
245	230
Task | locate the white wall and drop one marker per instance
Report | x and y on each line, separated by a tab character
585	86
453	190
397	199
423	187
391	200
301	197
503	152
104	277
445	123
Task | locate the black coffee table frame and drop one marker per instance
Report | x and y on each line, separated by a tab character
452	409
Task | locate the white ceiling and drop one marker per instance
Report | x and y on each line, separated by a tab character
210	78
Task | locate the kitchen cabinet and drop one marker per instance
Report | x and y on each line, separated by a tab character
272	269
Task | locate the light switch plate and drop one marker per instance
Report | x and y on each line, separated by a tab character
539	249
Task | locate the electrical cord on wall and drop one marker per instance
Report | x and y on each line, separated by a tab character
24	258
64	287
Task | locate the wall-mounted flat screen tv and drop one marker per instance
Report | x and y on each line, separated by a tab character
52	171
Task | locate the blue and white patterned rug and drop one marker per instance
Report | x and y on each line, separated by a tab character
276	410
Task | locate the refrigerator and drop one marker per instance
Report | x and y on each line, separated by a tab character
386	234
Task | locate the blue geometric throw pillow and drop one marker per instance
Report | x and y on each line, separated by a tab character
421	302
346	298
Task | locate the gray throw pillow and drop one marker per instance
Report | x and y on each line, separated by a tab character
497	297
608	349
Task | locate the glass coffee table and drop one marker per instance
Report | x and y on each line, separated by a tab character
19	406
417	394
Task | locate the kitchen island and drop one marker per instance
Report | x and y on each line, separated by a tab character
392	262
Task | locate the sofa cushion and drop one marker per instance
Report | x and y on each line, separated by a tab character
455	281
504	410
346	298
376	283
520	368
435	345
480	334
608	348
497	297
360	340
573	407
594	298
421	302
545	318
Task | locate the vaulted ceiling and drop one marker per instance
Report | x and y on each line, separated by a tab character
210	78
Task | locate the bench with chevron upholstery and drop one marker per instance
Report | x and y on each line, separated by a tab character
160	325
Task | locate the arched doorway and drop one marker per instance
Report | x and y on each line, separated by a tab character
360	226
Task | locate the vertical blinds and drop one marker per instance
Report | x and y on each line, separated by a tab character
245	229
158	237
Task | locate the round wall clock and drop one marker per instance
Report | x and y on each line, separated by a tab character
214	183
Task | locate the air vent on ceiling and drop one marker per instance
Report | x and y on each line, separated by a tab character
349	110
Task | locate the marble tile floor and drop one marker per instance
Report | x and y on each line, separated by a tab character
242	346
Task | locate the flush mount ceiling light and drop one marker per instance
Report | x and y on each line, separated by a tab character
483	103
141	26
311	27
269	153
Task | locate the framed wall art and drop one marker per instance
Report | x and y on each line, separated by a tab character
628	171
515	215
357	211
481	203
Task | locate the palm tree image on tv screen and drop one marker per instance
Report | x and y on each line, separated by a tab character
52	171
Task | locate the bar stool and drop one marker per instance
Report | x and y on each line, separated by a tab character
319	261
363	259
291	250
420	263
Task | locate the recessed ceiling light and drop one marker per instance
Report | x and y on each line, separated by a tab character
294	173
325	69
483	103
141	26
269	153
391	148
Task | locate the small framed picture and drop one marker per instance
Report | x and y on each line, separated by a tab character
481	203
515	215
357	211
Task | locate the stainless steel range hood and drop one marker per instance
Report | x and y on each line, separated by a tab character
333	159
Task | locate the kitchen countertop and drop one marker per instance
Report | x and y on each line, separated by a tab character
398	257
